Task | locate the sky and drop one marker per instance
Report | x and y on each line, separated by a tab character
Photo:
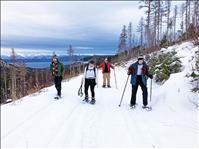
91	27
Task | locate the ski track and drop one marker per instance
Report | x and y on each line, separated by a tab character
68	122
40	119
27	119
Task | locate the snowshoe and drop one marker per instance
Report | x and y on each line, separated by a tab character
147	108
103	86
92	101
132	106
57	97
85	100
80	93
109	86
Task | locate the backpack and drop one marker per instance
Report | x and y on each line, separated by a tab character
93	69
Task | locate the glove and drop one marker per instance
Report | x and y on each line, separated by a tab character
150	76
128	73
95	81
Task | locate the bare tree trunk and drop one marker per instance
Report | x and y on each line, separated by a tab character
148	22
186	17
5	84
174	25
13	83
168	16
158	20
155	27
182	17
161	23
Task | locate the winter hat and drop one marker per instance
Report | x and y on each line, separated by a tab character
54	56
91	62
141	57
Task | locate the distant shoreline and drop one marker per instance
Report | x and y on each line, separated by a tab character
43	62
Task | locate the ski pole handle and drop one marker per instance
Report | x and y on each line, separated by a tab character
124	91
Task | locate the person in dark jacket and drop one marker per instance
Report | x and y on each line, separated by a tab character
139	72
106	70
57	71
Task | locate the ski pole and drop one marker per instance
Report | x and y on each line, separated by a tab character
151	90
97	78
115	79
124	91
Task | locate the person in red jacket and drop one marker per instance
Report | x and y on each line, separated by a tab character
106	70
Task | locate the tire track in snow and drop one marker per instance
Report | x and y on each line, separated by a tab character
141	130
90	133
61	124
38	115
60	135
27	119
130	132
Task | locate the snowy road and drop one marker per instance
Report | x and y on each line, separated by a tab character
40	121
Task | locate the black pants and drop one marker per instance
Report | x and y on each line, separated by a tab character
57	81
91	83
134	91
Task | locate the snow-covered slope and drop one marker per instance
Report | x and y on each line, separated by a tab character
40	121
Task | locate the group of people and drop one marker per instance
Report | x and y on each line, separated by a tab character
139	72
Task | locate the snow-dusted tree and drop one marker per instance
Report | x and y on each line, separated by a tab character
70	53
140	30
133	39
129	35
123	40
13	56
147	5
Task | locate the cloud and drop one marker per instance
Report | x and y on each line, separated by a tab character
25	52
53	25
75	20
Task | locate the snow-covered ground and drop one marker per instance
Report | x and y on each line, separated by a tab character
40	121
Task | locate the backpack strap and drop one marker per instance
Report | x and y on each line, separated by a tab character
87	68
94	69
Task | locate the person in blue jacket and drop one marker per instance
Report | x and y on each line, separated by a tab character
139	72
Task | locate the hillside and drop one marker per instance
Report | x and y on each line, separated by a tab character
40	121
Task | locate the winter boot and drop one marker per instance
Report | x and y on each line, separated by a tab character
148	108
133	106
86	99
92	101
